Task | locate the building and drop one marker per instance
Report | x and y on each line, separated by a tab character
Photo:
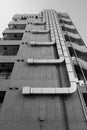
43	74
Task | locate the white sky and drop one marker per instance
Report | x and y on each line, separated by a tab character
76	9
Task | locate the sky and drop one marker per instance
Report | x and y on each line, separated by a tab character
77	10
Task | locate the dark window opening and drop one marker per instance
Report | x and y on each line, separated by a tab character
2	95
67	38
15	19
17	26
85	98
6	70
71	52
9	49
63	28
31	16
85	73
81	55
13	36
61	21
23	18
78	72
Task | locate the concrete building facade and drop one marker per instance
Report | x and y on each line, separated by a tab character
43	74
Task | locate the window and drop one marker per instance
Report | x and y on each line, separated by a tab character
79	72
85	98
2	95
9	49
23	18
85	73
17	26
67	38
61	21
5	70
63	28
72	53
13	36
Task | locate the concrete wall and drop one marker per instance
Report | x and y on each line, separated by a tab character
38	112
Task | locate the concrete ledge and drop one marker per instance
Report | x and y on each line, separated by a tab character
74	35
81	48
69	26
7	30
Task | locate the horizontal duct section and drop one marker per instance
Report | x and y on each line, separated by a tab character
45	61
39	31
33	43
30	90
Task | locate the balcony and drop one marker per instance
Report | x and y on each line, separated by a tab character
69	30
13	36
64	16
82	49
17	26
78	41
8	50
65	22
5	70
